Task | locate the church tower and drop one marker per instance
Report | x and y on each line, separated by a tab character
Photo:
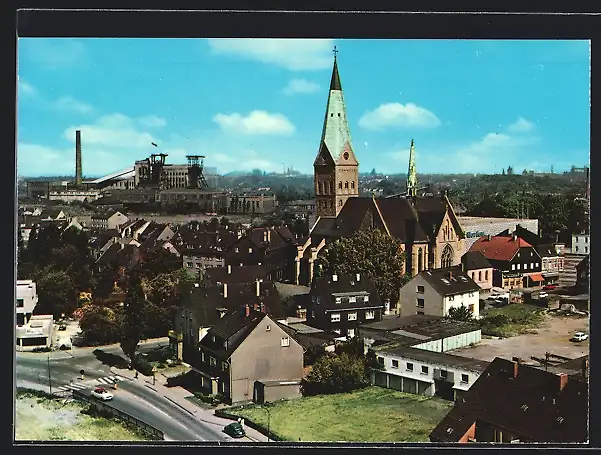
411	173
336	169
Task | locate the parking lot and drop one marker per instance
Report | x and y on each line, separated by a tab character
553	336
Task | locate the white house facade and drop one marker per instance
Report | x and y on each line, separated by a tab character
581	244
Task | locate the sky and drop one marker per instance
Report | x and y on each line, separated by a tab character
471	106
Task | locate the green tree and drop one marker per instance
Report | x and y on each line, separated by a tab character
369	252
134	316
100	325
335	374
461	313
57	294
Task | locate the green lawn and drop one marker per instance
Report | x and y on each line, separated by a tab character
521	319
374	414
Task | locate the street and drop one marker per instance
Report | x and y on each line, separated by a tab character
131	397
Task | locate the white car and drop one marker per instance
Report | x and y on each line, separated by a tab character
579	336
543	295
102	394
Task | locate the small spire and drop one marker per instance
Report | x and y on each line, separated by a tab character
335	83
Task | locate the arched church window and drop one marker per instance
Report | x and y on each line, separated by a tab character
486	274
346	185
446	259
340	202
420	260
340	185
353	185
480	275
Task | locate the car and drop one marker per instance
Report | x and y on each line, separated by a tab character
550	287
234	430
102	394
579	336
542	295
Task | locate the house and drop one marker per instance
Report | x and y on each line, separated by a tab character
434	292
341	303
271	247
582	274
246	356
49	214
100	241
27	299
232	275
515	403
202	248
581	244
423	372
477	267
133	228
111	219
516	263
202	307
31	330
427	227
311	339
552	262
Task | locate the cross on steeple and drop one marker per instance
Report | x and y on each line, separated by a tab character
335	52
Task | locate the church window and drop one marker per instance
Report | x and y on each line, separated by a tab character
446	259
346	185
420	261
340	185
338	114
480	275
332	114
353	185
486	274
340	203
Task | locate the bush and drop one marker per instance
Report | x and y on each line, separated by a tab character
142	365
335	374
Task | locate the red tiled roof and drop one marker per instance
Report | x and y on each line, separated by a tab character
499	248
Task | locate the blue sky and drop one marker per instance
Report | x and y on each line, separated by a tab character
471	106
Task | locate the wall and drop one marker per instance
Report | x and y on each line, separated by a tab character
447	236
581	244
453	342
433	304
262	358
482	277
26	290
469	299
116	220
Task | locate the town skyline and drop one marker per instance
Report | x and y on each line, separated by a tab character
263	97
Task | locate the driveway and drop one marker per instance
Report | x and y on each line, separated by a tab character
553	336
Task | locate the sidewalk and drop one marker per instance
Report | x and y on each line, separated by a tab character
177	395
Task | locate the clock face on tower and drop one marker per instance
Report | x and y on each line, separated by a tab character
345	155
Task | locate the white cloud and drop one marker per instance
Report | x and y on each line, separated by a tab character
392	115
52	53
70	104
152	121
25	88
300	86
521	125
255	123
292	54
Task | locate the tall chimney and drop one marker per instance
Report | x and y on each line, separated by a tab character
225	290
258	288
450	275
229	269
78	170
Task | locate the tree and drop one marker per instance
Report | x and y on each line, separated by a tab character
99	326
335	374
369	252
56	292
461	313
134	316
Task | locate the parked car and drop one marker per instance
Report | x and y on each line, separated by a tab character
579	336
543	295
550	287
234	430
102	394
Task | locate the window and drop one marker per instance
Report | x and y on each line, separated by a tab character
519	265
465	379
443	374
213	361
537	264
420	312
285	342
223	386
381	360
531	265
576	249
424	369
409	366
480	275
335	317
224	366
512	266
19	303
202	356
352	299
190	264
340	185
451	298
338	300
486	275
518	255
352	316
586	240
213	338
446	259
420	303
395	363
346	185
352	185
267	328
350	333
420	289
237	250
586	249
369	315
250	250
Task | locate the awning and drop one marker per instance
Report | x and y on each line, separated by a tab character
536	277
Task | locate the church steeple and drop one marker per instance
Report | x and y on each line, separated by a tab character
411	173
336	169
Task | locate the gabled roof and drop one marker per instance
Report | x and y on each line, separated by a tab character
526	402
546	251
237	274
474	260
279	237
110	254
499	248
327	289
449	281
234	327
433	357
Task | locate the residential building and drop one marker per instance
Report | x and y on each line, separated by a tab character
552	262
271	247
480	226
27	299
515	403
246	356
342	303
252	202
516	263
477	267
581	244
37	332
111	219
232	275
434	292
422	372
303	208
195	261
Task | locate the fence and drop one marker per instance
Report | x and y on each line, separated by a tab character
226	415
153	432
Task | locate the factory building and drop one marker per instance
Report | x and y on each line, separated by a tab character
477	226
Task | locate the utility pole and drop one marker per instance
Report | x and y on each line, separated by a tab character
49	376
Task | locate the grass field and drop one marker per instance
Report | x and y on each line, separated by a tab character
374	414
521	319
42	419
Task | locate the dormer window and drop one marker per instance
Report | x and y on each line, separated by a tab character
338	300
352	299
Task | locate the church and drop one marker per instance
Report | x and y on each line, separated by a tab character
427	226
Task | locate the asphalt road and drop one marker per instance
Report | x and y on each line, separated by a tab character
132	398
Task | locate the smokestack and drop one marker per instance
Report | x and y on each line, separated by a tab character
450	275
78	170
258	288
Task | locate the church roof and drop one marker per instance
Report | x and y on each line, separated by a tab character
335	82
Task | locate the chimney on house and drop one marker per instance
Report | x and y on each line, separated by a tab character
334	277
258	287
358	277
225	290
563	381
229	269
78	168
247	310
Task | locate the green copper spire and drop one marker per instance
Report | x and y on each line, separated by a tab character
411	174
